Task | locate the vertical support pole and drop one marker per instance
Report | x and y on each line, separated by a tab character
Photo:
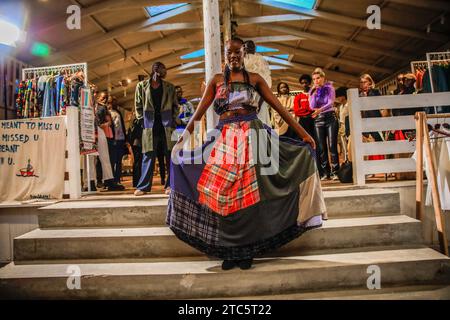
211	29
226	21
356	137
440	221
73	148
419	165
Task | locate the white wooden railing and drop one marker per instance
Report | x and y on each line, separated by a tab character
358	125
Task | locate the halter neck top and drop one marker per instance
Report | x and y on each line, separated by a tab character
240	95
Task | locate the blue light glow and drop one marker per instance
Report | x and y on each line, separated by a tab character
155	10
261	49
308	4
195	54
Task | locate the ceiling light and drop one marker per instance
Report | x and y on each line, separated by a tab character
9	33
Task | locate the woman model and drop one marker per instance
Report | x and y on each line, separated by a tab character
321	100
239	207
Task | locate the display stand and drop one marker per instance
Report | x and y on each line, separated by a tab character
72	186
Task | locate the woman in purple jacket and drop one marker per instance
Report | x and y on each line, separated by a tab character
321	100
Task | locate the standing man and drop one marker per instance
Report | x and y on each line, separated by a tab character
256	63
157	109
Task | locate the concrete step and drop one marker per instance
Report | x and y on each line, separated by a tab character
88	243
205	279
151	211
418	292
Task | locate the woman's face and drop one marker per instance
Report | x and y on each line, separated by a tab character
234	54
284	89
318	80
365	84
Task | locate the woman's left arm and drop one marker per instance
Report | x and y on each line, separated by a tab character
269	97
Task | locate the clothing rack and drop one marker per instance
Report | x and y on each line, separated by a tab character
75	164
421	137
433	57
418	64
72	67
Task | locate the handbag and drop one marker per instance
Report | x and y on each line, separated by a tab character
345	172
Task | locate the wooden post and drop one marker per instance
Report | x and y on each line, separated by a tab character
356	137
440	221
73	149
226	21
211	28
419	165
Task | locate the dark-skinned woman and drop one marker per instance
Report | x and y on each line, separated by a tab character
229	199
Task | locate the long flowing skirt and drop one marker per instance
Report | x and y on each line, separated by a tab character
245	192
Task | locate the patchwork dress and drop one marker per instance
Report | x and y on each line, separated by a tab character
246	191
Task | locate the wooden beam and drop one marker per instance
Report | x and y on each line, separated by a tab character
117	75
106	5
325	58
278	61
172	26
188	65
173	41
428	4
358	22
273	38
88	42
331	74
270	19
332	40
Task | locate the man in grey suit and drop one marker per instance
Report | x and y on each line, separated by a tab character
156	108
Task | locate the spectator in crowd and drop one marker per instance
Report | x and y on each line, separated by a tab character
186	108
321	100
302	109
344	123
287	101
367	89
103	122
118	141
134	138
400	84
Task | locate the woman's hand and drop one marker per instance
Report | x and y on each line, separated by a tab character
308	139
316	113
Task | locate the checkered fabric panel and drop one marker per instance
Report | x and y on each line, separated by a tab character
193	219
228	182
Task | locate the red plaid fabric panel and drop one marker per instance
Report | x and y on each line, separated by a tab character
228	182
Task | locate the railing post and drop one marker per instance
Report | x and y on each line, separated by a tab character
419	165
356	136
73	149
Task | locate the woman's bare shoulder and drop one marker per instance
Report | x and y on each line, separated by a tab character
255	78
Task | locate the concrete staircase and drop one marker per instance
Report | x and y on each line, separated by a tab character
123	250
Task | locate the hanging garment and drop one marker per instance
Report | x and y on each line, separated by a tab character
440	149
236	209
